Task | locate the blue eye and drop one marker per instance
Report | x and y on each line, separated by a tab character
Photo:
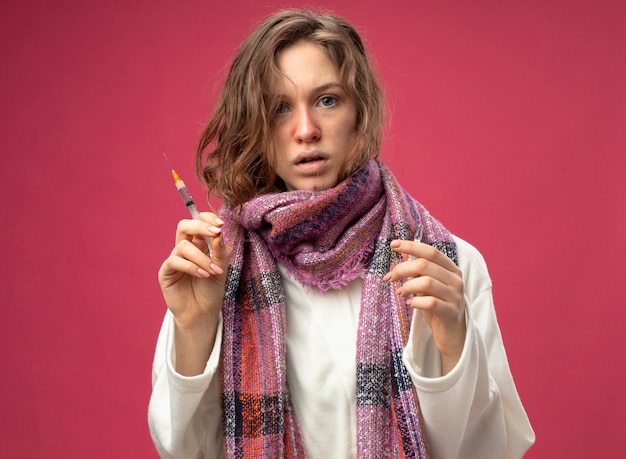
282	108
328	101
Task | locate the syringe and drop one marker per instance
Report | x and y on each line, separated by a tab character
188	200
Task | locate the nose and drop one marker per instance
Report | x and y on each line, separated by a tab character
307	128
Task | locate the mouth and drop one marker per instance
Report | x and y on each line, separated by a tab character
312	163
310	160
310	157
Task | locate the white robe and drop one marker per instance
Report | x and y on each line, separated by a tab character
472	412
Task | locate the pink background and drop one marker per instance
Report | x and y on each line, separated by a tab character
508	123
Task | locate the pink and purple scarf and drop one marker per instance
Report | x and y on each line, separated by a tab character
325	239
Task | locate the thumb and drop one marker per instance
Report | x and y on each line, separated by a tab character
221	252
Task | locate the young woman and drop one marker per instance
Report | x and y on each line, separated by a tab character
333	317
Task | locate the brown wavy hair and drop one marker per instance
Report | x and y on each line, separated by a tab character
235	156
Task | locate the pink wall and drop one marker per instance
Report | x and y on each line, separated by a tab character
509	124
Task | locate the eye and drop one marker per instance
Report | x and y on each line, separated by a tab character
282	108
328	101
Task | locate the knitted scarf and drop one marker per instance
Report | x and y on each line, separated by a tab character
325	239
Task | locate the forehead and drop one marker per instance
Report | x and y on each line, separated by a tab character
306	65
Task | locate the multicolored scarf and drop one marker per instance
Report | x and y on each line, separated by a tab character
325	239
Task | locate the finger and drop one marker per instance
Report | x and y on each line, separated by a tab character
175	267
221	252
425	303
419	267
421	250
427	286
450	315
211	218
200	262
196	230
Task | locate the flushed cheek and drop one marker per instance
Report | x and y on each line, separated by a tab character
280	146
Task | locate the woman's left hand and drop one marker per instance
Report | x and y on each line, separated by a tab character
435	287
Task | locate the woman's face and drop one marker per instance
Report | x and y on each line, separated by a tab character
316	120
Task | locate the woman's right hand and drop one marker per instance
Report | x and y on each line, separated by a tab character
192	283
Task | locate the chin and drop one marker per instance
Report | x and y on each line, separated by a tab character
320	186
316	184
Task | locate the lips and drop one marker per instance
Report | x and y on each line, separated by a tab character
311	163
309	157
309	160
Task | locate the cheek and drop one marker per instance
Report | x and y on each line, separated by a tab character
350	132
278	140
276	134
350	125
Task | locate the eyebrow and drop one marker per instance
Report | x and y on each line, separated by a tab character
321	88
326	86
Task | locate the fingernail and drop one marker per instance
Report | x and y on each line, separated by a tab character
387	277
217	269
203	273
215	229
395	244
219	221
